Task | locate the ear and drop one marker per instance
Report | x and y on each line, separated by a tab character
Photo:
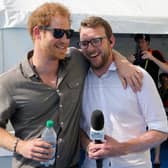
36	32
112	41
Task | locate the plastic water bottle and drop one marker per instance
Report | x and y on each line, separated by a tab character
49	135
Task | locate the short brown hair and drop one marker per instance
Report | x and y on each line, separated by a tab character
94	21
43	15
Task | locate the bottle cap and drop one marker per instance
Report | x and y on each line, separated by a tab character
49	123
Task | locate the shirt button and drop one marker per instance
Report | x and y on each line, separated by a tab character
60	140
58	156
57	90
62	124
109	164
60	105
60	94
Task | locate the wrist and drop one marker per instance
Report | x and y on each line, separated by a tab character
15	144
87	146
87	149
18	146
125	148
153	58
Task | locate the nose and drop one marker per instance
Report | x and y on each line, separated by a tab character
64	38
89	50
90	47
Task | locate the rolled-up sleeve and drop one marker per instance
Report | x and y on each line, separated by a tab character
152	106
6	106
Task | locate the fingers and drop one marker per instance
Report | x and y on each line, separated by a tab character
144	57
131	84
124	82
131	81
36	149
96	155
94	151
40	143
135	83
130	75
135	80
42	155
108	138
41	151
147	55
139	74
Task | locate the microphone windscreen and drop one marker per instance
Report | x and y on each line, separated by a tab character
97	120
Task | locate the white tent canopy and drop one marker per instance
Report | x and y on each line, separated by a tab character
125	16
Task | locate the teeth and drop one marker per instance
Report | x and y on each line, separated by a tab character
94	55
60	46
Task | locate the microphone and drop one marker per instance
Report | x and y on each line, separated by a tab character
97	131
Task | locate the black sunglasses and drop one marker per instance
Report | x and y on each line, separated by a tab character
58	33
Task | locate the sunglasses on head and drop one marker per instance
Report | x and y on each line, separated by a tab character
58	33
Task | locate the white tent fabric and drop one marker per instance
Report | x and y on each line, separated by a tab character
125	16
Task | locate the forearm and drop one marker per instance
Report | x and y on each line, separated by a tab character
162	65
118	58
7	140
128	73
147	140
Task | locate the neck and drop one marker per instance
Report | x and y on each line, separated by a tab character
44	65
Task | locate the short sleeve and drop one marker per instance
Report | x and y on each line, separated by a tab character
151	105
6	106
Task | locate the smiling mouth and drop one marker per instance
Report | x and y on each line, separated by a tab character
61	47
94	55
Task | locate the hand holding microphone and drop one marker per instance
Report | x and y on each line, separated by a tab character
97	131
97	126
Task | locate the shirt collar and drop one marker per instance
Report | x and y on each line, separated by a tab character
29	71
25	66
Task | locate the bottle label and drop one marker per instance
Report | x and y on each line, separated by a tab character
54	149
